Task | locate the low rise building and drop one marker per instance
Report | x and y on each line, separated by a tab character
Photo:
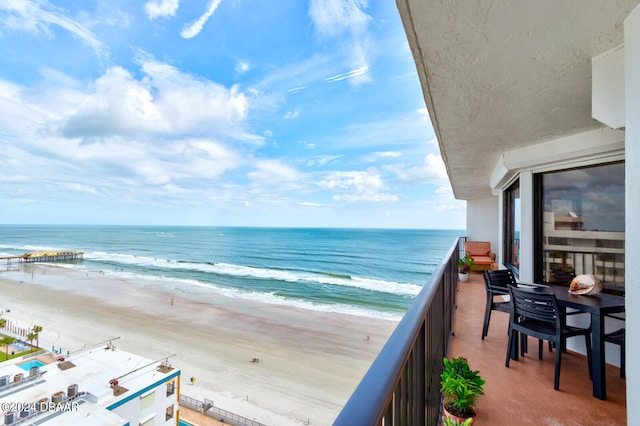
101	386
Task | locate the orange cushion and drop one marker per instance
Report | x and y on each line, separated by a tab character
483	260
477	248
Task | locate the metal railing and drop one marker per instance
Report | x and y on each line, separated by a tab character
208	409
402	386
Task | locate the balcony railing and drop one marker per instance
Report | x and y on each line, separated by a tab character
402	386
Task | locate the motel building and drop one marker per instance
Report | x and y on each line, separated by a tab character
100	386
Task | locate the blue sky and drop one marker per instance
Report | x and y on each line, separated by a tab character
215	112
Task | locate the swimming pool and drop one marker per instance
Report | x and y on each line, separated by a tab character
183	423
29	364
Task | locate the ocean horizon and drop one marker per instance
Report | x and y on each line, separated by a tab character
366	272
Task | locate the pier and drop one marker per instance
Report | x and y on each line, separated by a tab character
44	256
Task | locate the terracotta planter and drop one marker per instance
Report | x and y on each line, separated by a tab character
446	413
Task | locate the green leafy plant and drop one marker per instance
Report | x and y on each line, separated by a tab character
448	421
461	387
466	264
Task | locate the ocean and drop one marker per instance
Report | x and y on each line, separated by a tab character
367	272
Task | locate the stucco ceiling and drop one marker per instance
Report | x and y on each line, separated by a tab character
503	74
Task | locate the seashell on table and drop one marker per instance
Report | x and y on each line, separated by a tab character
586	285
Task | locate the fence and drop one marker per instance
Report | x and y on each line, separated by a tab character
210	410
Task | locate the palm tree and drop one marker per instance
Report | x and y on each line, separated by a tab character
30	338
6	341
37	329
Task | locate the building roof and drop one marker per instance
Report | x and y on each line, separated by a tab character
88	375
501	75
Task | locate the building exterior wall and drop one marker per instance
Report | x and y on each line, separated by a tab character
481	221
632	206
156	402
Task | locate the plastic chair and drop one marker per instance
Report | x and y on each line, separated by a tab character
535	313
496	284
618	338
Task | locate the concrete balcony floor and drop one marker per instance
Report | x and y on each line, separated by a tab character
523	393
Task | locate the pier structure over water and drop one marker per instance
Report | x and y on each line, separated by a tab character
44	256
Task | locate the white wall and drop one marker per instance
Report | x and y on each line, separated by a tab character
483	221
632	189
134	414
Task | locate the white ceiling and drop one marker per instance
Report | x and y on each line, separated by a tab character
502	74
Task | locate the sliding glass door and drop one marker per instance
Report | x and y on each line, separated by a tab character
512	217
580	225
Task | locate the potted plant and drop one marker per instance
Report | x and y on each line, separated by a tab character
449	421
465	265
461	387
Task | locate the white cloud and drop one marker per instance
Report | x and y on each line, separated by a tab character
118	104
38	16
165	101
272	171
323	160
444	201
201	158
161	137
310	204
340	20
357	186
357	73
331	18
291	115
431	171
388	154
242	67
193	29
161	8
273	176
399	131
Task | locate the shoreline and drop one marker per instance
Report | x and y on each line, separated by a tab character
310	361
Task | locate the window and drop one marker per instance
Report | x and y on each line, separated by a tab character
148	422
147	401
581	223
168	413
171	388
512	216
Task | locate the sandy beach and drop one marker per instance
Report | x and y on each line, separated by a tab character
310	362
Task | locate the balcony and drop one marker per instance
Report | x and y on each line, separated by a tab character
402	385
524	391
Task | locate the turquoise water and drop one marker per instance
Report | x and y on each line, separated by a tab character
183	423
370	272
29	364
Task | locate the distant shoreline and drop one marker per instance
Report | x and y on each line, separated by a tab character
310	361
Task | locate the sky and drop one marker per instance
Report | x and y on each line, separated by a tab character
217	113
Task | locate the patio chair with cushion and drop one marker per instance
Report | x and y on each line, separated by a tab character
535	313
481	253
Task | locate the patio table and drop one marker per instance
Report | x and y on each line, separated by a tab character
598	306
